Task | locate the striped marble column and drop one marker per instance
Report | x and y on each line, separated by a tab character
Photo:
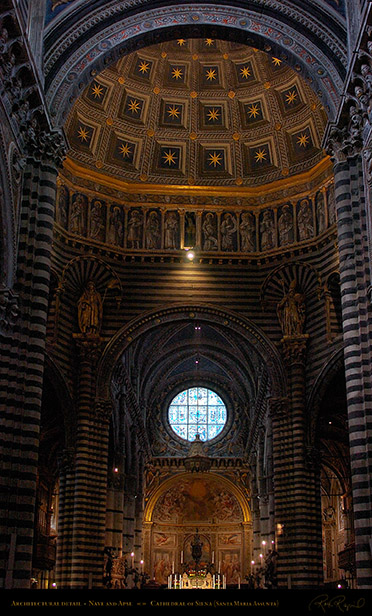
91	460
296	481
22	350
355	280
65	518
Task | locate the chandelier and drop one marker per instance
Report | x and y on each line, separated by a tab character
197	461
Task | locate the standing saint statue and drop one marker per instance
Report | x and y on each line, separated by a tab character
90	310
291	312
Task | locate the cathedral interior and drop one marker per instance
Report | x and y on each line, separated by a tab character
185	294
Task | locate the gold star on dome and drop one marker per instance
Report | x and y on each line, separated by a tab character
253	110
245	72
213	115
125	150
173	112
170	158
209	42
181	42
260	155
215	159
211	74
276	61
97	90
144	67
177	73
134	105
83	134
303	140
291	97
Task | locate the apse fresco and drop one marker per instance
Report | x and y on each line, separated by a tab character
197	500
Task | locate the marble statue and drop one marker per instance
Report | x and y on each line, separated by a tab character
291	312
90	310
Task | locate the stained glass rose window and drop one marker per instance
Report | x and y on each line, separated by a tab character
197	410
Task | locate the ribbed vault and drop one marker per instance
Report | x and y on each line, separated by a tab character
198	347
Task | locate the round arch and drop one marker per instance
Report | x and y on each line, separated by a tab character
267	351
173	481
82	44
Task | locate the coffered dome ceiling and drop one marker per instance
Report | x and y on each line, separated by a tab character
197	112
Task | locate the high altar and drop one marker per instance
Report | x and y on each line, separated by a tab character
207	504
197	577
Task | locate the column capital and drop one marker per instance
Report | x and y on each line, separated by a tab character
47	145
345	140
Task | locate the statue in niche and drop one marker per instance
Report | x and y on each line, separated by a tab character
331	205
96	221
305	221
247	232
134	230
320	215
171	231
291	312
90	310
115	231
77	223
190	230
63	207
285	226
209	233
152	232
228	229
267	231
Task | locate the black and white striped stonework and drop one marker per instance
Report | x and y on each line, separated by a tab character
357	328
90	489
21	369
296	482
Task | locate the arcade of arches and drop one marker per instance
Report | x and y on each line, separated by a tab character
185	294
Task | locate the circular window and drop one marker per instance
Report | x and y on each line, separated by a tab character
197	410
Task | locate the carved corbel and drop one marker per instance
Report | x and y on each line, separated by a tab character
66	461
279	407
294	349
103	409
9	309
